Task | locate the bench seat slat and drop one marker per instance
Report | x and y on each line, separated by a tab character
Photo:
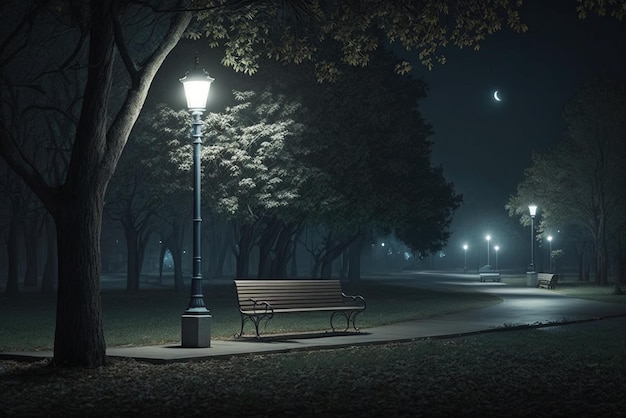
323	309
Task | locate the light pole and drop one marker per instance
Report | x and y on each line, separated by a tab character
533	211
196	320
465	264
497	248
550	253
488	238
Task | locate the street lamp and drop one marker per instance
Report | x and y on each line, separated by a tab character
533	211
465	264
196	320
550	254
488	238
497	248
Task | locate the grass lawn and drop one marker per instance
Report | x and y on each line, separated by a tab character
153	316
570	370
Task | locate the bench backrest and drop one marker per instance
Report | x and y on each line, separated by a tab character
290	294
546	276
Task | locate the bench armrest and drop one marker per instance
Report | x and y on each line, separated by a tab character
359	300
265	306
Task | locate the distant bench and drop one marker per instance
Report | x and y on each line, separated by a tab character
259	300
547	280
495	276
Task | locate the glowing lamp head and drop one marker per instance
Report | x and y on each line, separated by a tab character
197	83
549	238
533	210
488	237
465	247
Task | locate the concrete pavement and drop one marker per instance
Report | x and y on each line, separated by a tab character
521	307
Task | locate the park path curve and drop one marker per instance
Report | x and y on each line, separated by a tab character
521	307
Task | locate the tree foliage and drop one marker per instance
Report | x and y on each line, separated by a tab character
580	182
296	31
614	8
250	175
367	135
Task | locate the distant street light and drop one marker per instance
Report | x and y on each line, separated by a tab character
550	253
465	264
196	320
488	238
533	211
497	248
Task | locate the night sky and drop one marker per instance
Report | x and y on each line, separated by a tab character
484	145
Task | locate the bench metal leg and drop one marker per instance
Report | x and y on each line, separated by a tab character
256	320
350	319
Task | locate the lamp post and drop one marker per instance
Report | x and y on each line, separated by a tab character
533	211
465	263
196	320
488	238
550	253
497	248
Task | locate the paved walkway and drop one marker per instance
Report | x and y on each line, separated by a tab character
521	307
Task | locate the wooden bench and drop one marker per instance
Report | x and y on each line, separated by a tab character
489	276
547	280
259	300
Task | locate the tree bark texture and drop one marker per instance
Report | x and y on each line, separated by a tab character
133	269
51	269
31	243
244	248
12	288
79	337
176	249
354	260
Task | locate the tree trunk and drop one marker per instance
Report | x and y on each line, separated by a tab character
621	269
284	252
244	244
327	262
602	264
354	261
293	271
326	270
136	242
176	249
343	269
162	250
13	288
266	242
77	207
31	242
315	268
221	254
51	268
132	258
79	337
334	248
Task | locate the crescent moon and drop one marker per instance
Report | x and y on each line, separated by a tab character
495	96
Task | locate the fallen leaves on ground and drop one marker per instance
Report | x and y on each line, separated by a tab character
513	374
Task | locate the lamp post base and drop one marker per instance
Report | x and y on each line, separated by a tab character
531	279
196	330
